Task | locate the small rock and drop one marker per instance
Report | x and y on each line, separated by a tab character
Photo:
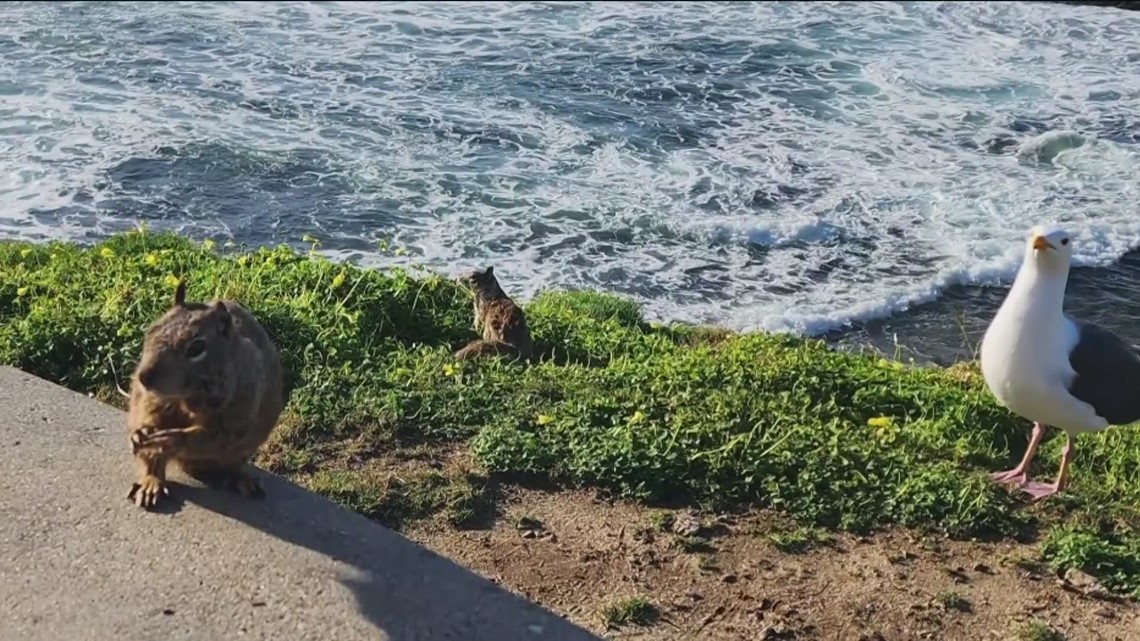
729	578
1086	584
529	534
1079	578
905	555
1105	613
686	525
696	596
168	611
529	523
983	568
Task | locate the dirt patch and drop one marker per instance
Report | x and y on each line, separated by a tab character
628	572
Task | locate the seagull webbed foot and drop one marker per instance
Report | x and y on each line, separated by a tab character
1040	491
1016	477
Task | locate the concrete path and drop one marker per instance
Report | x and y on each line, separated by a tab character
79	562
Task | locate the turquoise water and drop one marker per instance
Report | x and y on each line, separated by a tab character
785	166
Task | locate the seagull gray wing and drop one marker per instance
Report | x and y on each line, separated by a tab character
1107	374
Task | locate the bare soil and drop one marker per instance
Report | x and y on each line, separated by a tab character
713	577
577	555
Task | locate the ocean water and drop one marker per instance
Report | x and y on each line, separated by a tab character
813	167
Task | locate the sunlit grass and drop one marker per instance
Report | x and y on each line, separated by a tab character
655	413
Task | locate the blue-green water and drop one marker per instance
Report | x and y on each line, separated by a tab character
793	166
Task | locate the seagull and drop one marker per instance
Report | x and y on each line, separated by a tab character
1053	370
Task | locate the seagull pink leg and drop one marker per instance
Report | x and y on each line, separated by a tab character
1018	475
1044	490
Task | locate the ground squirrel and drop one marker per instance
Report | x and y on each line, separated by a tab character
206	393
501	322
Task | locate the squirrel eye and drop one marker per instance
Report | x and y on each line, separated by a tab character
196	349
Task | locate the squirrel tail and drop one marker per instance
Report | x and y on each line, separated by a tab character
481	347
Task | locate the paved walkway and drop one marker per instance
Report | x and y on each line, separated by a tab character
79	562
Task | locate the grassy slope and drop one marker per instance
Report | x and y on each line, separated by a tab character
649	412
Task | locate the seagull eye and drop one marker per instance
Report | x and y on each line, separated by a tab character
1064	241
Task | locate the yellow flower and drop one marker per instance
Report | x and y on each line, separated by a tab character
208	244
170	281
24	253
22	291
637	417
889	364
151	259
880	421
338	280
449	369
243	260
543	419
107	252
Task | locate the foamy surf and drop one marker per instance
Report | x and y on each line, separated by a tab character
787	167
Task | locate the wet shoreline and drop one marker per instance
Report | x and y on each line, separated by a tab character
950	329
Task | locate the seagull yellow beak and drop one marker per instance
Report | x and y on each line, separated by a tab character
1040	243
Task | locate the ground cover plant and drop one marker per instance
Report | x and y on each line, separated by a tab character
663	414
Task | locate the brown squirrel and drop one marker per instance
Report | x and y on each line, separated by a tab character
206	393
501	322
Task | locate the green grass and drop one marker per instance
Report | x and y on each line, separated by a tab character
396	502
661	520
657	413
1039	631
630	611
1112	558
953	601
799	539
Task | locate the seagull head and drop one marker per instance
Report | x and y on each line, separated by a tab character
1049	248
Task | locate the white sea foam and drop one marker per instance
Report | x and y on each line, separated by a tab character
785	166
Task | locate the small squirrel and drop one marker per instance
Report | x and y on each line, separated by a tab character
501	322
206	393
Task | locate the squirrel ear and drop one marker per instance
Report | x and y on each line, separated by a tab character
225	320
180	294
